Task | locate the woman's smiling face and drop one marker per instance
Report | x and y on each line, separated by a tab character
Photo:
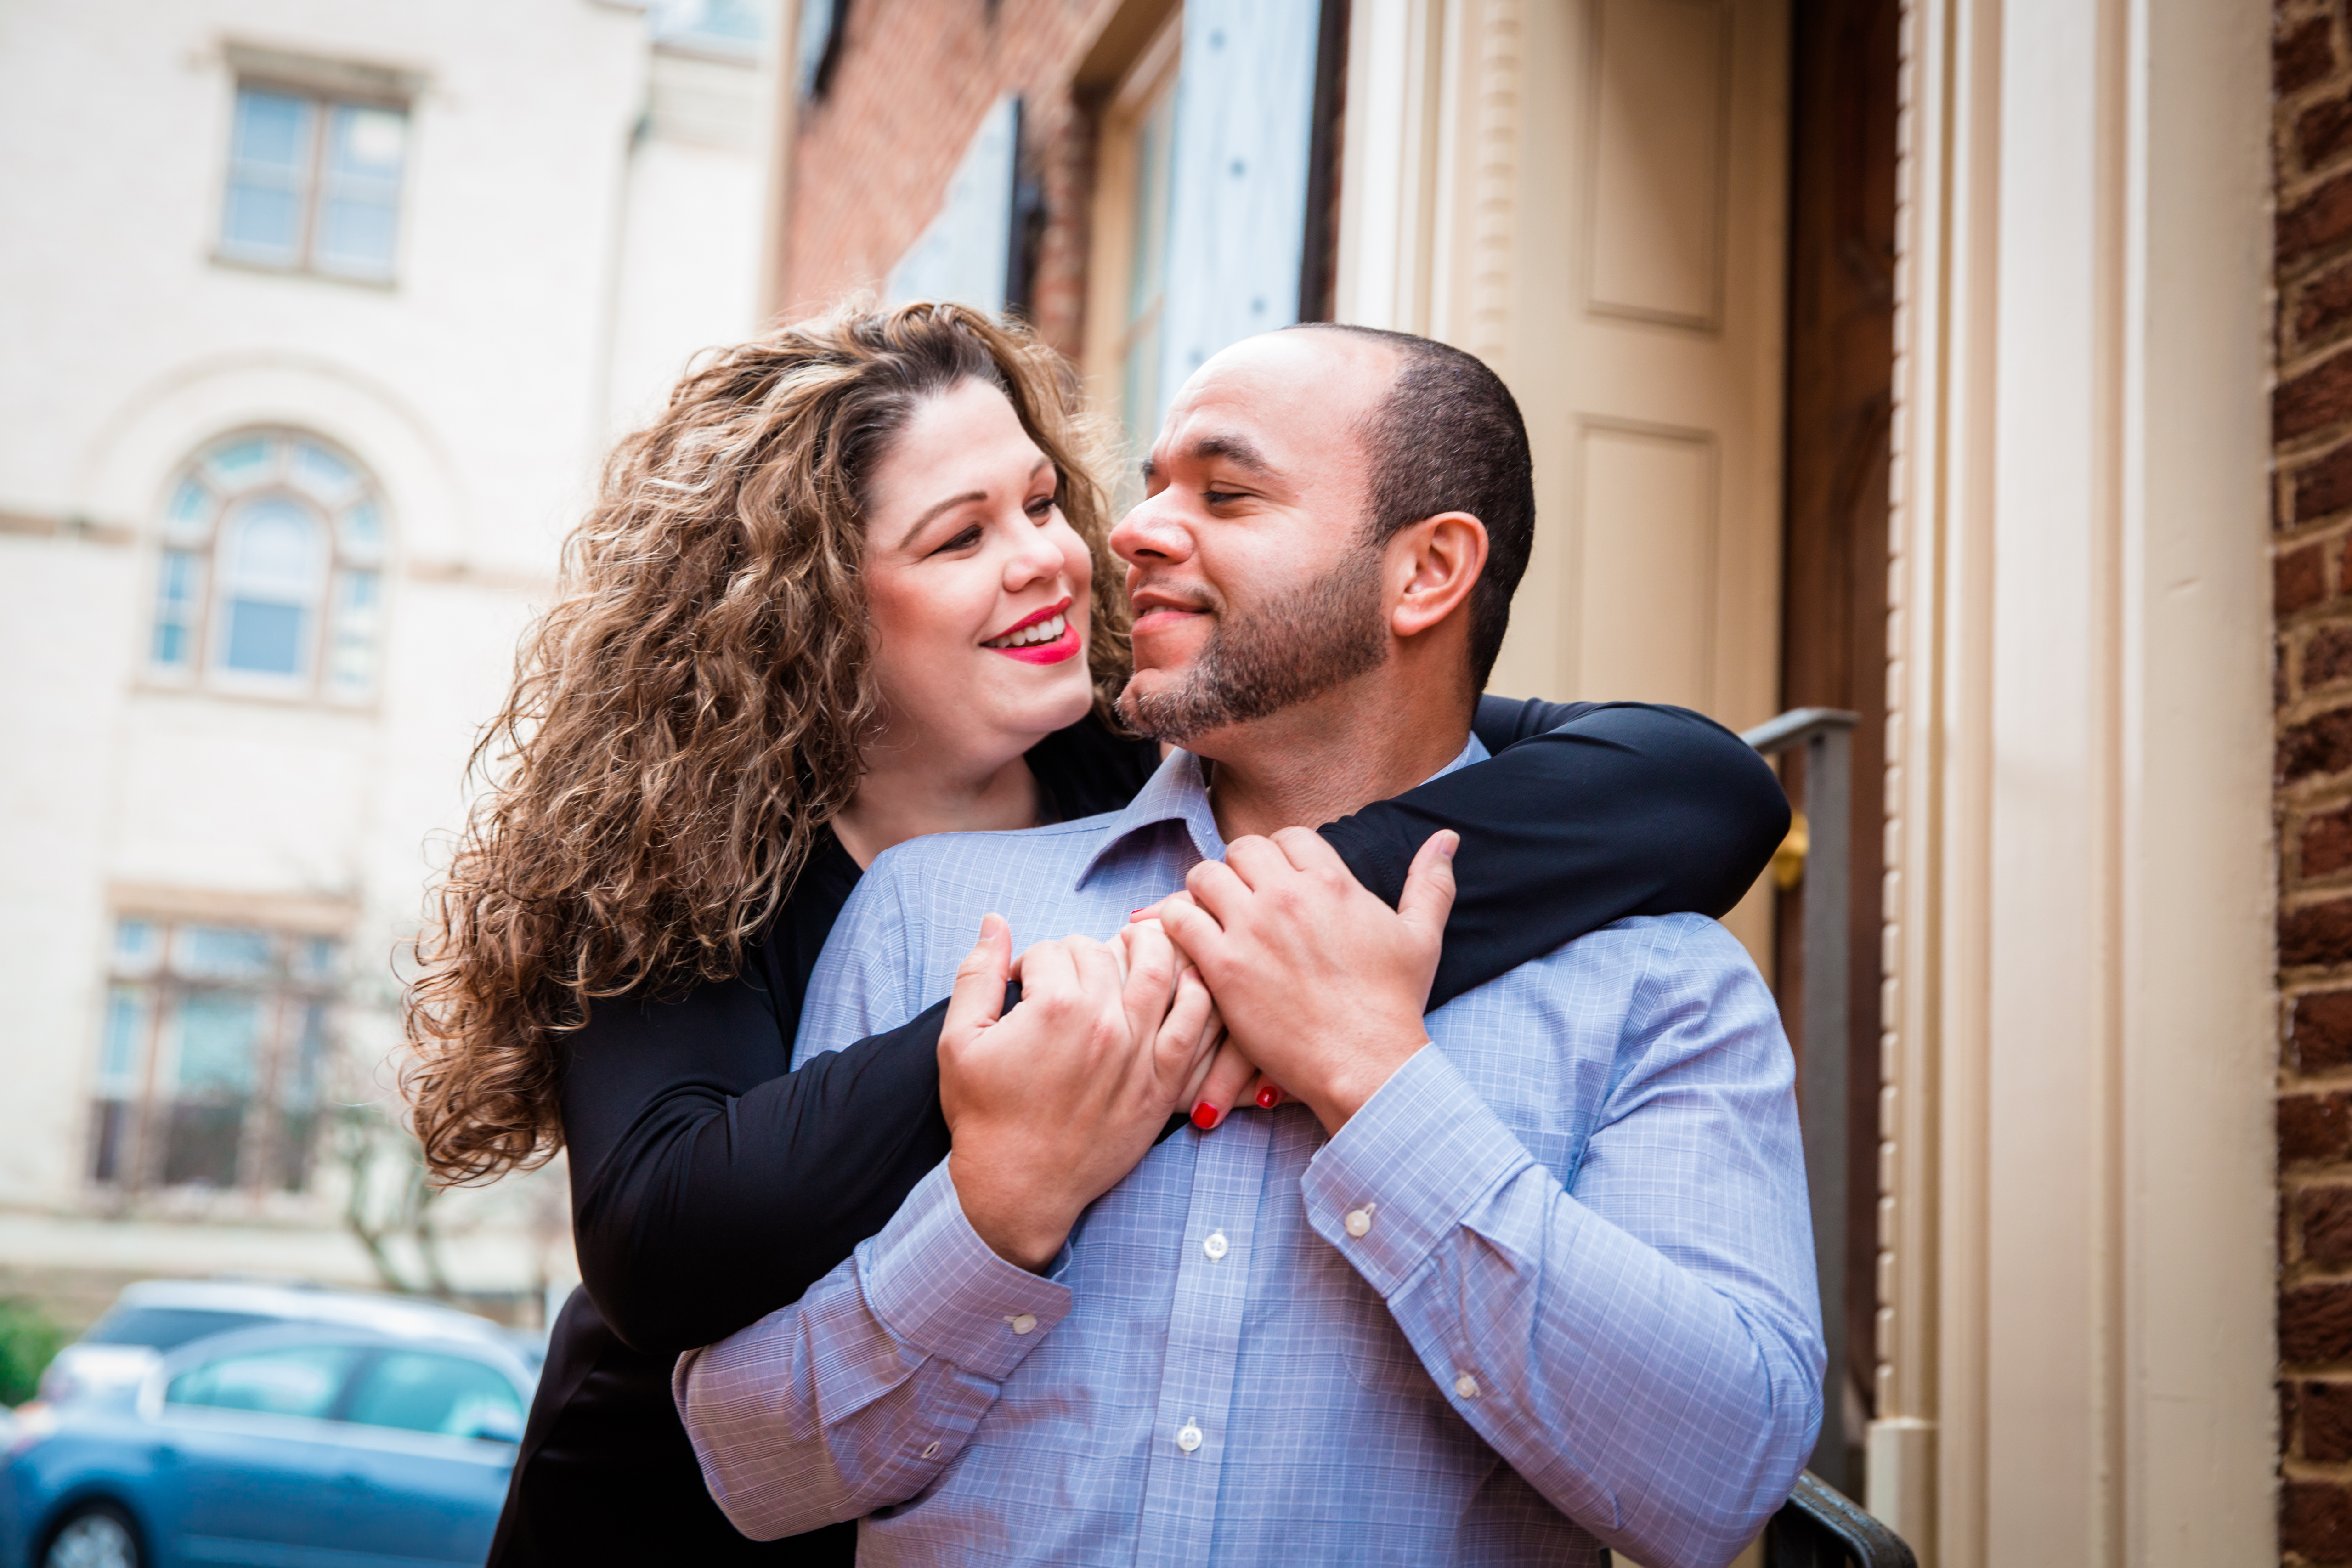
976	586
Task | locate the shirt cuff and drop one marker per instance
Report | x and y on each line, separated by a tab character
1407	1169
938	1288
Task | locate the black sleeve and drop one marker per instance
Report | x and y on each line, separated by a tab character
1585	815
711	1185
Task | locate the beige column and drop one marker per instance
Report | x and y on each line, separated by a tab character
2077	1280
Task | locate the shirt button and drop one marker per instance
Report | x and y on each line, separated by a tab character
1359	1221
1024	1323
1467	1386
1188	1437
1216	1243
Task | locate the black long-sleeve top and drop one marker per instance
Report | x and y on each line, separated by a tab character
712	1185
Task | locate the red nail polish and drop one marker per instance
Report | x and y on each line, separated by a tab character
1267	1096
1132	913
1204	1116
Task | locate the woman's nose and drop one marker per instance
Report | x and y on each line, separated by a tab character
1038	555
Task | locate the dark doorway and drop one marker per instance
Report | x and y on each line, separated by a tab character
1833	602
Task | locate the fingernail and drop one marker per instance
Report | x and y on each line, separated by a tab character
1453	842
1132	913
1267	1096
1204	1116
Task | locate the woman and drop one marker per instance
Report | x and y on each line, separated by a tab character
780	651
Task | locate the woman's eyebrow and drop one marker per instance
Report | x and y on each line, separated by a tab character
935	509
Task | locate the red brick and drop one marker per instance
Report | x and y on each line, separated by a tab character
2322	219
2324	308
2323	487
2313	1128
2290	1407
2326	1412
2298	580
2322	1032
2302	56
2313	400
2323	134
2328	656
2316	1324
2316	933
2316	1520
2320	746
2327	843
2328	1225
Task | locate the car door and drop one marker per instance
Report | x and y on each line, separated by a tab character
434	1434
245	1437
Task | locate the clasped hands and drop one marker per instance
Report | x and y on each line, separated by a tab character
1273	966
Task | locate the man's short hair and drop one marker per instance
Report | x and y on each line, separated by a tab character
1449	438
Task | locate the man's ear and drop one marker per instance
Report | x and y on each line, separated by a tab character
1434	564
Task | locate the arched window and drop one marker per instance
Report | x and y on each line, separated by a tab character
270	580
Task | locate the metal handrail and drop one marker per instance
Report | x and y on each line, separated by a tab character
1827	735
1821	1527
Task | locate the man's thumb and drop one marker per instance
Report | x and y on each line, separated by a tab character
978	999
1428	896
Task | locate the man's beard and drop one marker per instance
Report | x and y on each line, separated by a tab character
1298	646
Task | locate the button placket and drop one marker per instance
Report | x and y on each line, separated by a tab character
1195	1395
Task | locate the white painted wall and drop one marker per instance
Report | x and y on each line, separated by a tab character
582	210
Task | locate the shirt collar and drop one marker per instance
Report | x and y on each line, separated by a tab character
1177	793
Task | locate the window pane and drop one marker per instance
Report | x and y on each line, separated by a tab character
108	1141
322	473
354	663
298	1380
222	952
264	638
200	1143
417	1392
137	945
220	1038
126	1038
269	170
242	464
167	1328
179	580
358	217
362	530
189	518
274	549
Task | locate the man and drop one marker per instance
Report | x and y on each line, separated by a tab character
1543	1284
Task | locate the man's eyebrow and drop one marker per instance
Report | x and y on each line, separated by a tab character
1235	448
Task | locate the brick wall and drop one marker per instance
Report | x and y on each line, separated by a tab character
2312	426
913	82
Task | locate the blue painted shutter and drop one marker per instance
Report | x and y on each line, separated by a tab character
1237	230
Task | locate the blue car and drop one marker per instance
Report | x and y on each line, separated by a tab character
310	1445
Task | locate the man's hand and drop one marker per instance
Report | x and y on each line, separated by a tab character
1320	984
1051	1104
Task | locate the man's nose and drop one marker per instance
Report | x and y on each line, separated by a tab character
1153	532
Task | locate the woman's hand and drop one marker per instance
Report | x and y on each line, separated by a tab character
1050	1105
1228	1079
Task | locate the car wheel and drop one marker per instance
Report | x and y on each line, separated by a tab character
97	1536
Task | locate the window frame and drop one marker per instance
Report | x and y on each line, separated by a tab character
325	90
132	1103
1147	86
334	618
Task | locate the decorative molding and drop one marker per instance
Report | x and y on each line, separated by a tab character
1495	180
317	914
82	529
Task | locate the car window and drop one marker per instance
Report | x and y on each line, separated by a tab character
292	1380
166	1327
417	1391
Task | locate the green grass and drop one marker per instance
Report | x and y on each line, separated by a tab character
27	1340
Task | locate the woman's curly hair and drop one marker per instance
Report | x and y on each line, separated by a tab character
691	712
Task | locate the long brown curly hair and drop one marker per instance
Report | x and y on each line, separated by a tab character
691	712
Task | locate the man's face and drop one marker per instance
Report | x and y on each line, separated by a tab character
1251	585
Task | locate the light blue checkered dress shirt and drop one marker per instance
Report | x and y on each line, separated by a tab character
1552	1288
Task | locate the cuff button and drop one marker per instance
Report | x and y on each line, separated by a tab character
1022	1323
1359	1221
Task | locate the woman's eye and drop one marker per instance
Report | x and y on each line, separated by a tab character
963	541
1042	507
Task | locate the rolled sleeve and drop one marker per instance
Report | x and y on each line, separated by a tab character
942	1292
1412	1162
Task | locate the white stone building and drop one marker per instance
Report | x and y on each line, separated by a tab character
317	319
